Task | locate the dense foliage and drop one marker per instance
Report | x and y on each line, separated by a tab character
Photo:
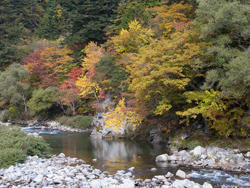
15	145
163	63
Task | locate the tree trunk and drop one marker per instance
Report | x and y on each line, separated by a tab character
25	104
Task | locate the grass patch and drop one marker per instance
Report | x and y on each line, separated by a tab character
16	145
79	122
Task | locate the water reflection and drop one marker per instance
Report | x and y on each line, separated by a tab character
117	155
110	155
107	150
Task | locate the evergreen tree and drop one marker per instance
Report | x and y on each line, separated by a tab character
88	19
53	21
16	19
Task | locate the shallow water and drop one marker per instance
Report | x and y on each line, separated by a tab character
123	154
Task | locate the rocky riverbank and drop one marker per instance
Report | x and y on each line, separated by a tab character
61	171
49	125
210	157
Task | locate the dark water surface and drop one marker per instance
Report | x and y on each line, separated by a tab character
123	154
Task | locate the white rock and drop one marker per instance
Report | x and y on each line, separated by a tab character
185	183
162	158
247	154
181	174
127	183
95	184
61	155
131	169
160	177
38	179
197	151
153	169
169	175
207	185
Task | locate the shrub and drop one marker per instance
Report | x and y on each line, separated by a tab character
79	122
11	156
15	145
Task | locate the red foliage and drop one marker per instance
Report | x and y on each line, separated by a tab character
69	91
38	69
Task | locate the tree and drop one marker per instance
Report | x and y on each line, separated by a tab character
43	99
17	17
127	12
122	117
225	24
88	19
52	23
14	86
88	87
129	41
110	76
49	66
221	114
93	54
69	93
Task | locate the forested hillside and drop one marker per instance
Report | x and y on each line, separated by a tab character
172	64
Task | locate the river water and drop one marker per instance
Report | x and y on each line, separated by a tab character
122	154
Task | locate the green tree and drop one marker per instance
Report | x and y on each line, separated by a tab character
17	19
53	21
43	99
225	25
13	87
88	19
127	12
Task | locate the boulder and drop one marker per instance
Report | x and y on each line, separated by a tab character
181	174
207	185
169	175
162	158
95	184
197	151
153	169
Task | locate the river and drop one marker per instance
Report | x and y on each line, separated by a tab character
122	154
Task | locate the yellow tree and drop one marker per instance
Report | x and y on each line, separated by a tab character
93	55
85	83
122	117
161	71
88	87
222	114
129	41
171	18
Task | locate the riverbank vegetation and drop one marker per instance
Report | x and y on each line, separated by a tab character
169	64
16	145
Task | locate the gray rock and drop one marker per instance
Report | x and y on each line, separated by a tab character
95	184
169	175
38	179
207	185
181	174
247	154
197	151
131	169
61	155
162	158
153	169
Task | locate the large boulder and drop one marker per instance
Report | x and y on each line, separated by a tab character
162	158
181	174
198	151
